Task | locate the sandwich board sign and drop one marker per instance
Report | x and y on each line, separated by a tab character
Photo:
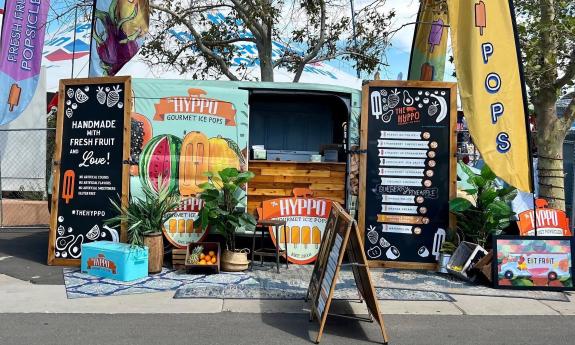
341	236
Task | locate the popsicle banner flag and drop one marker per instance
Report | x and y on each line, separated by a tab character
491	86
21	47
118	31
429	49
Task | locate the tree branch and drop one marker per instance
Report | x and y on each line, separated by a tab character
316	49
255	27
569	72
569	115
225	68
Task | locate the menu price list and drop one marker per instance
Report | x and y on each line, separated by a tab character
407	173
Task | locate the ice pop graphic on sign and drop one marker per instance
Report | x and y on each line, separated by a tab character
21	55
480	16
435	34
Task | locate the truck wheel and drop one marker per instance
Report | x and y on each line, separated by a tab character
508	274
552	276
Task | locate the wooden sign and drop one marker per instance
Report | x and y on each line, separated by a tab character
341	236
305	221
550	222
408	172
91	164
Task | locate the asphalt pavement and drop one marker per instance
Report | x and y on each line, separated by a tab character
284	329
23	255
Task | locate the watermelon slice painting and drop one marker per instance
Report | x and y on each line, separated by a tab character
159	159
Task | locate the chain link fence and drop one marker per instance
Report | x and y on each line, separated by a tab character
25	170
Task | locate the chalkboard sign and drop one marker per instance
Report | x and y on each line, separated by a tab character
91	164
341	236
408	171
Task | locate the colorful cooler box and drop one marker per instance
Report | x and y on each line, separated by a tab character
114	260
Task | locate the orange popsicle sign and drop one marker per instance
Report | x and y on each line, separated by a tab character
480	16
68	185
14	96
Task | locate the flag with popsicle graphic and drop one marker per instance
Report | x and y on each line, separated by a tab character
21	45
486	55
429	49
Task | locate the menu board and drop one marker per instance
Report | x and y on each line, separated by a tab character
341	236
408	170
91	164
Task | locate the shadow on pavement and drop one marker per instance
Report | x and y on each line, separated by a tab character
23	255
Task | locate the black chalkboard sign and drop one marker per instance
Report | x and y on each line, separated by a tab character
408	171
341	236
91	167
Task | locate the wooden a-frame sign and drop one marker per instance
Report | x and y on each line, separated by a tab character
341	236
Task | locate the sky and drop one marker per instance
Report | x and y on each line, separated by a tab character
397	55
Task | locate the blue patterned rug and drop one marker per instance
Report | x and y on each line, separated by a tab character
265	283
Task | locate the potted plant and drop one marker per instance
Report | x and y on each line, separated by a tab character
222	196
488	212
145	218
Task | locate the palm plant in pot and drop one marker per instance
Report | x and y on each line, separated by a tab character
222	196
145	218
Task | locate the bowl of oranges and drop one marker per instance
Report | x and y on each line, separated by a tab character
203	255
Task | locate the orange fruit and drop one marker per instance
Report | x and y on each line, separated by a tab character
207	258
202	256
213	260
212	253
202	262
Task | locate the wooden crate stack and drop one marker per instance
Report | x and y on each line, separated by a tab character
179	258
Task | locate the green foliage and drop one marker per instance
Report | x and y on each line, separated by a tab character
144	215
222	195
490	212
451	242
309	31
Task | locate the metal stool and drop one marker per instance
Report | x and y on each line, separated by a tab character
263	225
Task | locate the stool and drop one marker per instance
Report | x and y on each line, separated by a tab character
263	225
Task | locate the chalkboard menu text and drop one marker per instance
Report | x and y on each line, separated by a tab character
92	147
408	170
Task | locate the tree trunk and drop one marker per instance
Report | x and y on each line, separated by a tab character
550	136
265	51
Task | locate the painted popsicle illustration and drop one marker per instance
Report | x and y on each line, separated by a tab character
480	16
435	34
14	96
68	185
427	72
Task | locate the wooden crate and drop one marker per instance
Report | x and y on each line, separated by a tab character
208	246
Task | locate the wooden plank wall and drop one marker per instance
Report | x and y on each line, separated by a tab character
278	179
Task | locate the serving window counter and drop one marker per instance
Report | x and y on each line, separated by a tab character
299	139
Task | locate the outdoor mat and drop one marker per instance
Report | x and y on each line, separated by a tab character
79	285
266	283
262	283
390	284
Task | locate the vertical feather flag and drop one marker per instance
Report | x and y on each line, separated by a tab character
21	45
118	31
489	75
429	47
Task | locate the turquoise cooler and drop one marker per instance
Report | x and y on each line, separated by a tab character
114	260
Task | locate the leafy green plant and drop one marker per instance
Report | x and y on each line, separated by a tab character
146	215
222	195
489	213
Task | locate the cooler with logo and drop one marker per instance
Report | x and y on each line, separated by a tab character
114	260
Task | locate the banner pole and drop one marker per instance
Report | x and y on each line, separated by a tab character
93	21
526	110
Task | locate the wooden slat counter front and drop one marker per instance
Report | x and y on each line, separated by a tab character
276	179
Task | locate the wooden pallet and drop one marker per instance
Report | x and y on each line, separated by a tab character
179	258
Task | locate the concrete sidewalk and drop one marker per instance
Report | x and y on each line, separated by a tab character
17	296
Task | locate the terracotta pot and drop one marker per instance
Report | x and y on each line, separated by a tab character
234	261
155	244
